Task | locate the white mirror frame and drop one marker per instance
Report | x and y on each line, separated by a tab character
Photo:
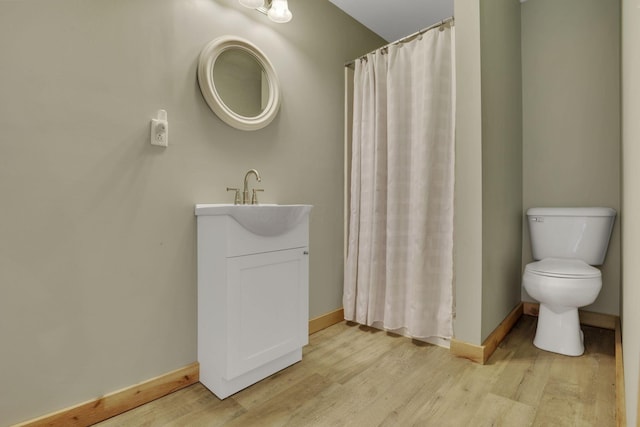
207	60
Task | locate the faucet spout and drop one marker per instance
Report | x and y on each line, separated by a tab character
245	191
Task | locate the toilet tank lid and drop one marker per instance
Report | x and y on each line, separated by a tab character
598	211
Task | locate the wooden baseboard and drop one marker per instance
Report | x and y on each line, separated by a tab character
621	413
473	352
496	337
482	353
326	320
93	411
587	318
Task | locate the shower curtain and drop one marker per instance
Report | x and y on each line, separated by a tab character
399	268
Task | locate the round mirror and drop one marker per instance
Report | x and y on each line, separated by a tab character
238	83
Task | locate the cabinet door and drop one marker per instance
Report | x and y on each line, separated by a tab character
267	306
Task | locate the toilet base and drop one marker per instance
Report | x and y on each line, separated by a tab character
559	331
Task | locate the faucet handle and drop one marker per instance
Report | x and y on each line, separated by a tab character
236	200
254	195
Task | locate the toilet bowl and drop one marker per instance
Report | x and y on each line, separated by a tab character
566	243
561	286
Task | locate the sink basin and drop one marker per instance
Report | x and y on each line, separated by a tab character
263	220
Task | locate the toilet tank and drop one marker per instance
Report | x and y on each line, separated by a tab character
581	233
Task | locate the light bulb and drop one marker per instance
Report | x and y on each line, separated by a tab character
253	4
279	11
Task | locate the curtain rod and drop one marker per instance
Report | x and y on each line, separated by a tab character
405	39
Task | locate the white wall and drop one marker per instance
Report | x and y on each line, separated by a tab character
571	117
631	204
97	231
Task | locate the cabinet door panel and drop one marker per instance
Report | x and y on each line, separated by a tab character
266	305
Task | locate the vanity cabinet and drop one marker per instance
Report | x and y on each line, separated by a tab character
252	301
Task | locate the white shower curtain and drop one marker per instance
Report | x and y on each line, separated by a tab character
399	269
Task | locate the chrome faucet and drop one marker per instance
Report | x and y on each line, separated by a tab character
245	191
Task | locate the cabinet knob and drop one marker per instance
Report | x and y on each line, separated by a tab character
305	253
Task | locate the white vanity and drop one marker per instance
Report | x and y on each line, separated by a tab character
253	287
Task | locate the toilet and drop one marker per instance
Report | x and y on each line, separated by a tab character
566	243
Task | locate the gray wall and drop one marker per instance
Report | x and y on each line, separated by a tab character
468	187
567	132
501	160
631	204
488	166
97	238
571	111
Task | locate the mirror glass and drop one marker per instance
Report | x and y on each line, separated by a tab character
239	83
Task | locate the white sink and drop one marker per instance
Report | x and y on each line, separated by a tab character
263	220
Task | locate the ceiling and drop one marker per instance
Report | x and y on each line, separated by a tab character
394	19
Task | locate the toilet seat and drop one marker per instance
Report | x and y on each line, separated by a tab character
565	268
561	285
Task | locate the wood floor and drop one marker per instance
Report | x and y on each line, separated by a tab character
356	376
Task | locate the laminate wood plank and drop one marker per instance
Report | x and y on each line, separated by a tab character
419	393
523	380
560	405
499	411
176	408
527	370
360	346
355	376
336	354
282	409
211	412
118	402
601	343
358	391
580	390
371	396
459	404
208	416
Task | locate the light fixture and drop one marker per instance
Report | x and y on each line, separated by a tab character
277	10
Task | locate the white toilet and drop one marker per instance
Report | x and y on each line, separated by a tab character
566	242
